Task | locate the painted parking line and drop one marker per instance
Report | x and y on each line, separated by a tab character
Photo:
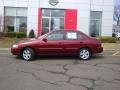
4	49
5	53
116	53
112	52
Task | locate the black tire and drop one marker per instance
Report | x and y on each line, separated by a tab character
28	54
84	54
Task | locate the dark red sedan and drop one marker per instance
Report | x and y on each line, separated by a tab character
59	42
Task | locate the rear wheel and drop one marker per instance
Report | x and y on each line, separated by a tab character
84	54
28	54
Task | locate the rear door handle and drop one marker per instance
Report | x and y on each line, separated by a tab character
81	42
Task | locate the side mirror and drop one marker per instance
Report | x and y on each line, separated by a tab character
44	39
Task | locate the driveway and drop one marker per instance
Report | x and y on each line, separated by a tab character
102	72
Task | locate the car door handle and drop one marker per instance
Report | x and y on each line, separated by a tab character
81	42
60	43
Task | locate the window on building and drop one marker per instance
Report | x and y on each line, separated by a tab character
95	23
15	19
52	19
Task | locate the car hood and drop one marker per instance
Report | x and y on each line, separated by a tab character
26	40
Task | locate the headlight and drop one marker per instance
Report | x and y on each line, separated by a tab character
15	46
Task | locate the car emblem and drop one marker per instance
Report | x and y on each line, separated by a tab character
53	2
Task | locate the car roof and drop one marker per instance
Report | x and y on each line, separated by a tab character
67	30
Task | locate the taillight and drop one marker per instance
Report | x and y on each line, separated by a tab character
98	45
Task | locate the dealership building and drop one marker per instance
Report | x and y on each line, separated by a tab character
93	17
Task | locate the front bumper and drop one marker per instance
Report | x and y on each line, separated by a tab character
15	51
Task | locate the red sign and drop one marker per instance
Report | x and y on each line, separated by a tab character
71	19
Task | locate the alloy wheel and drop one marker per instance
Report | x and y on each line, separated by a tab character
84	54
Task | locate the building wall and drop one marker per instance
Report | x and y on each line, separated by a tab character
33	6
107	23
1	15
83	7
32	14
107	7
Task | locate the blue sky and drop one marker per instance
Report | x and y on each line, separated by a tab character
117	2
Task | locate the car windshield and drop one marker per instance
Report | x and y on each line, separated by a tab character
40	37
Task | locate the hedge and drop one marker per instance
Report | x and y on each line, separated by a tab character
20	35
13	34
2	34
10	34
107	39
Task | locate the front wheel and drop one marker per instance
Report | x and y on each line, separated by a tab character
28	54
84	54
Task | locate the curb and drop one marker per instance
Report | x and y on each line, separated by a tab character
111	49
5	48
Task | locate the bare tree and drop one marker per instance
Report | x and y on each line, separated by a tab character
117	14
0	23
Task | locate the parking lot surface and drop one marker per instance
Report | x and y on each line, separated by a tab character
102	72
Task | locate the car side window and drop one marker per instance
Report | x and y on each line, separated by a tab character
55	36
71	35
79	36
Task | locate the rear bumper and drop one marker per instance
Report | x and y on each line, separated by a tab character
99	50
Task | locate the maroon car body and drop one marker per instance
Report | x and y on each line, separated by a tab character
59	42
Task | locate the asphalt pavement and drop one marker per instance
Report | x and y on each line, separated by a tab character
102	72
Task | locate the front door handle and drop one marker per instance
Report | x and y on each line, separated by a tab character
60	43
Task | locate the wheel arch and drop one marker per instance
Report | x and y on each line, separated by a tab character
28	47
90	53
86	48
